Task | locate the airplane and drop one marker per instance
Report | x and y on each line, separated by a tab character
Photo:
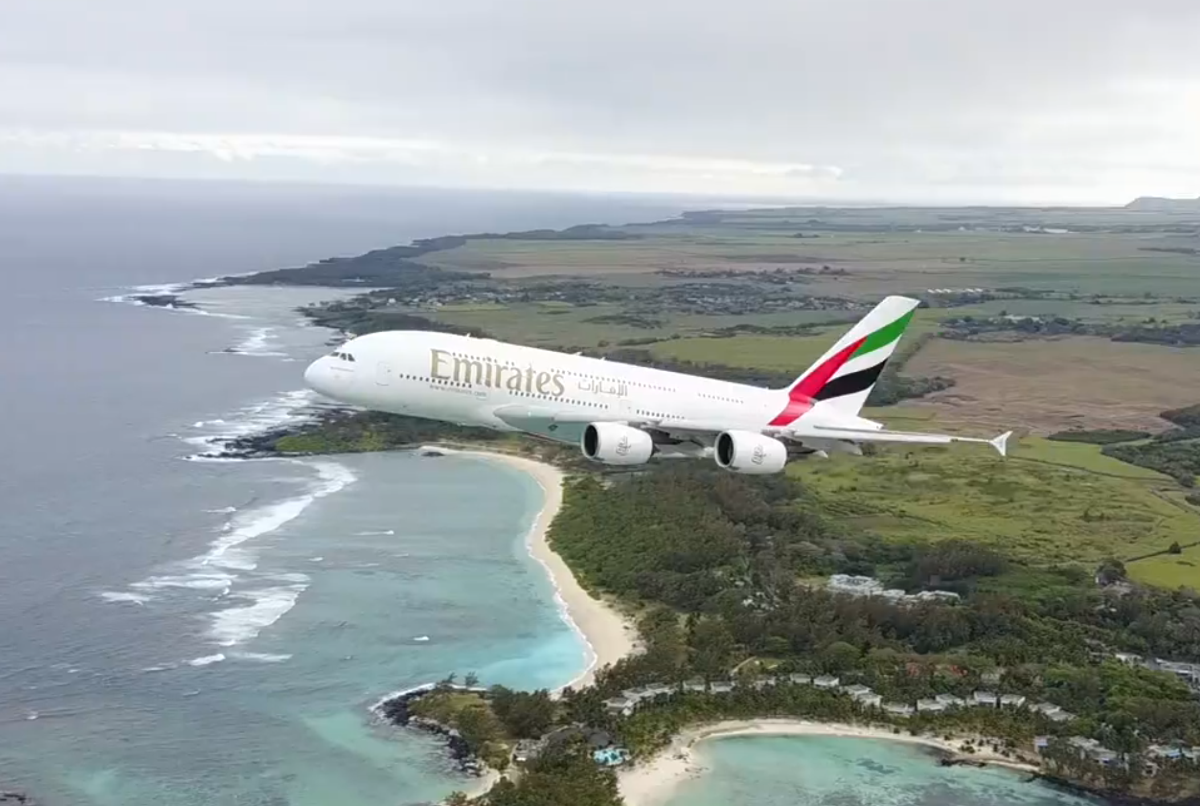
624	415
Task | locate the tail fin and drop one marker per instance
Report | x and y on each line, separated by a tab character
844	376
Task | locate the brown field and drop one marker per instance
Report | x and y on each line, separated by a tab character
1044	386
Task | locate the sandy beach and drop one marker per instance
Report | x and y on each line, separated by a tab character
654	781
608	635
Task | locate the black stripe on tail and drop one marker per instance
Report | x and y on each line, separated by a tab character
850	384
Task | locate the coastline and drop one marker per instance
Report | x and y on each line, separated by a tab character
654	782
608	635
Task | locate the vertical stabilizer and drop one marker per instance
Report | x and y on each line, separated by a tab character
843	377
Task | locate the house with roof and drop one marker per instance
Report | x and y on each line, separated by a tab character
988	698
826	681
721	687
930	706
992	678
620	705
950	700
526	750
799	679
1012	700
897	709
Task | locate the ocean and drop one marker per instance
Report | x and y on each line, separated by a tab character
178	631
175	630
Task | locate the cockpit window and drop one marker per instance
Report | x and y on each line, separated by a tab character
342	356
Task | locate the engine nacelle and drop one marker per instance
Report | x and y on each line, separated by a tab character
616	444
748	452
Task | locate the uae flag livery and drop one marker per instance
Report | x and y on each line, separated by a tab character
843	377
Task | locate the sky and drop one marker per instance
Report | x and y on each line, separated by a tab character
1036	101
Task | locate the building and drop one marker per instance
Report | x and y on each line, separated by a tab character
1012	700
984	698
620	705
826	681
526	750
936	596
898	709
855	585
930	706
799	679
950	701
869	586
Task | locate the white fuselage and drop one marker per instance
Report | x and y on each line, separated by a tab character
466	380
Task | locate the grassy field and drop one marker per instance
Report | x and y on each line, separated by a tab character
776	352
557	325
876	262
1049	503
1046	386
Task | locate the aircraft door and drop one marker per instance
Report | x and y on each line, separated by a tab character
383	373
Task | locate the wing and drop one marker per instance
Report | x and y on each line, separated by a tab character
819	432
568	427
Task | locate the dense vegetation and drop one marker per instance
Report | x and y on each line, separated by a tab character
705	542
564	775
1175	452
1100	436
1148	332
489	723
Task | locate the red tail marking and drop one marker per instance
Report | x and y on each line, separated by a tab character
800	396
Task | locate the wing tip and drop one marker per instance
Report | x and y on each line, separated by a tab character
1000	443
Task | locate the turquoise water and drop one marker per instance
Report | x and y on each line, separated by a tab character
415	567
826	771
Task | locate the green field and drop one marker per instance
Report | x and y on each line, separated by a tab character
877	262
1048	503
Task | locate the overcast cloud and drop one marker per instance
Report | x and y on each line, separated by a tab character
1054	100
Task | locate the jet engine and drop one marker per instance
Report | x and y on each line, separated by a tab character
616	444
748	452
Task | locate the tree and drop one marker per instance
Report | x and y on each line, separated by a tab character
471	680
839	657
1175	548
712	648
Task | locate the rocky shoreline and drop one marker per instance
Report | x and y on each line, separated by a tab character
398	711
170	301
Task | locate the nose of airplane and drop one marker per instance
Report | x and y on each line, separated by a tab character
319	376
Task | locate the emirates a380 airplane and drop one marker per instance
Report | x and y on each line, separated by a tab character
621	414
